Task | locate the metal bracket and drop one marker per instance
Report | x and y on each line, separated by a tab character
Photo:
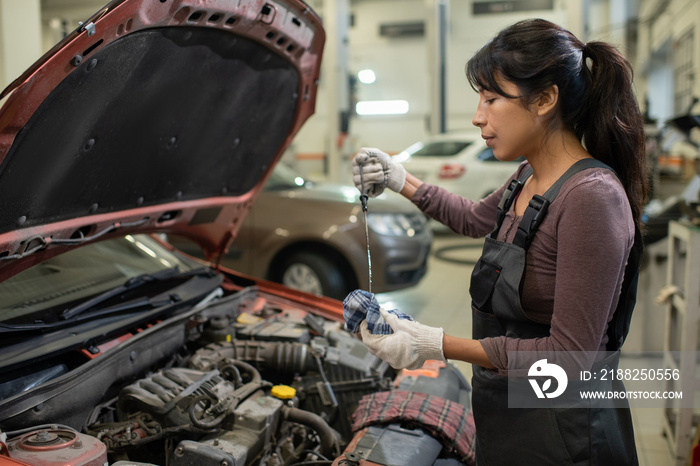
90	28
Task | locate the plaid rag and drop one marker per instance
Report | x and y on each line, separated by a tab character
360	305
447	421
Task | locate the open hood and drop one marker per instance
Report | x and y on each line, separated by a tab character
155	115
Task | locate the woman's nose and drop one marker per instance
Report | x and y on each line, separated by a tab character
478	119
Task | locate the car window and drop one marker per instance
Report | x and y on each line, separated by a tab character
442	148
84	272
486	155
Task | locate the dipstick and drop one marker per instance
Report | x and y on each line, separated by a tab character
363	199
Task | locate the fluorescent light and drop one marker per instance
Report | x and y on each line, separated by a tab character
382	107
366	76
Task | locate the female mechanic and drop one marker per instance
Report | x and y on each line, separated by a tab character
558	270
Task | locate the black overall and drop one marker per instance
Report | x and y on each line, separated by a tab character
540	436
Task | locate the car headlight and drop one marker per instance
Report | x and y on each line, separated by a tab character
391	224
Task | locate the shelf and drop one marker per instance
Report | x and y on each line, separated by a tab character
682	320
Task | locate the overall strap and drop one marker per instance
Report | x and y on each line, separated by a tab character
619	326
508	198
537	208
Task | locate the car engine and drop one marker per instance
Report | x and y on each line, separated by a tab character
255	380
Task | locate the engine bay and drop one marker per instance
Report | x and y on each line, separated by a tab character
246	379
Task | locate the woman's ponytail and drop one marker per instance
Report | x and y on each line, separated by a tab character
613	130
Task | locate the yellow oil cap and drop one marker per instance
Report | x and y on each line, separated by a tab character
283	392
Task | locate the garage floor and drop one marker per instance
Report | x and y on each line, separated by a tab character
442	300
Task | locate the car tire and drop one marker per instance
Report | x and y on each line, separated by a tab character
313	273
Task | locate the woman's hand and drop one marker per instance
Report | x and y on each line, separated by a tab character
379	171
410	345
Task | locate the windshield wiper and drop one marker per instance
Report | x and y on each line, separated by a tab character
139	303
90	309
131	284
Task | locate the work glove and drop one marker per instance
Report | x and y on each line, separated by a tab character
410	345
379	171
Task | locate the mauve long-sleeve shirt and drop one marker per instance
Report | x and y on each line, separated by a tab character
574	266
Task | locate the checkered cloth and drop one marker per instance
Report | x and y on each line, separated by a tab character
447	421
360	305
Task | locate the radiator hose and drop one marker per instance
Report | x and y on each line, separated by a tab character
329	440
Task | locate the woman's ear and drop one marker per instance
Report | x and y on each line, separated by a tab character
547	101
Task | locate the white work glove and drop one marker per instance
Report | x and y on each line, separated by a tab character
410	345
379	171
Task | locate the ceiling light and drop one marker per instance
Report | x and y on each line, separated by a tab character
366	76
382	107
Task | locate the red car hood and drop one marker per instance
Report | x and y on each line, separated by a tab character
153	116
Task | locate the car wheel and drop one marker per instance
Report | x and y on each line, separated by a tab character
313	273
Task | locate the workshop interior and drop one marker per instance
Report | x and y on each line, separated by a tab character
180	226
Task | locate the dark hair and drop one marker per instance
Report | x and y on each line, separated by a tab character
596	98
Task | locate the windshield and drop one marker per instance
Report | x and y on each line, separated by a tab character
84	272
438	148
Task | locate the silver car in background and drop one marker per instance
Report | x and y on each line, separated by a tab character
311	237
458	162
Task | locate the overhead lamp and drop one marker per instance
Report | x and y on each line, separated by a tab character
382	107
366	76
